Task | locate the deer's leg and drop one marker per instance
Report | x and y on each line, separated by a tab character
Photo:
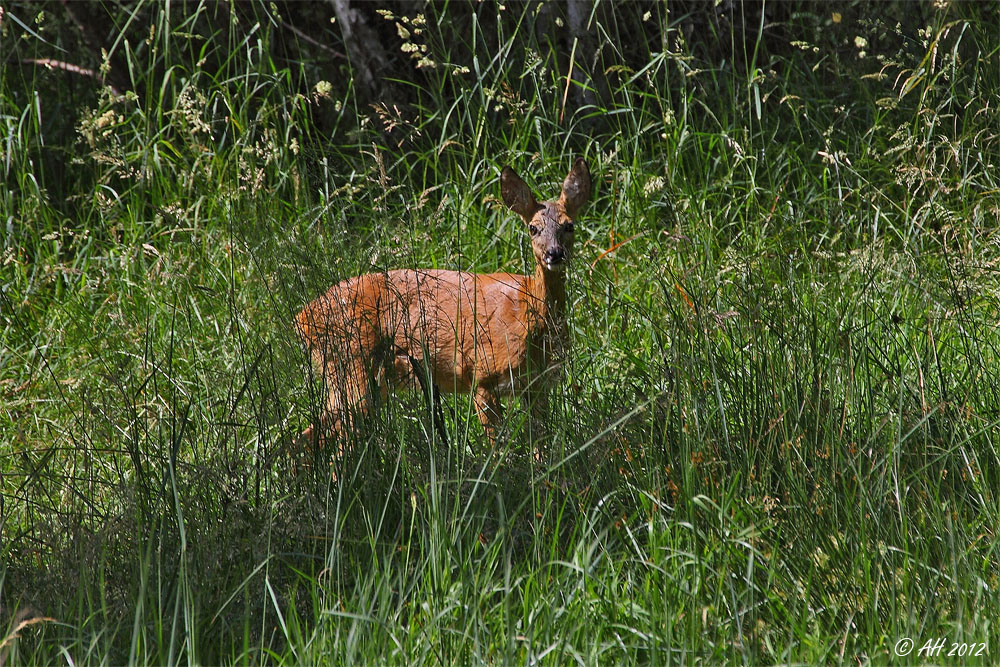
348	399
312	438
489	411
345	367
330	424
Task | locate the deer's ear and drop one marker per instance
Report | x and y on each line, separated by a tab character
516	194
576	188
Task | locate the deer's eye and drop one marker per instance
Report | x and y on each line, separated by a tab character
533	230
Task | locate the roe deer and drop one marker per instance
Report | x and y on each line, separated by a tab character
486	334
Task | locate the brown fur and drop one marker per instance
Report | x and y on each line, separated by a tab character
489	334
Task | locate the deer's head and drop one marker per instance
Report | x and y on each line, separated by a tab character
550	223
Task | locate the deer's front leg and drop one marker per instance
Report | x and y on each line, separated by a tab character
489	411
537	399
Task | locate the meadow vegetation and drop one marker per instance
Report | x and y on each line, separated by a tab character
776	439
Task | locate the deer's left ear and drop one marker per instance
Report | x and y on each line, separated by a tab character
576	188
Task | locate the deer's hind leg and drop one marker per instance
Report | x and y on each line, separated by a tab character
346	362
344	397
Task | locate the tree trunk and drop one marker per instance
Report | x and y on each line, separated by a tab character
364	50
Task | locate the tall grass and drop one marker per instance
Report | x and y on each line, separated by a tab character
775	440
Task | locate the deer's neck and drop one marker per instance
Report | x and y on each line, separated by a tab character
549	289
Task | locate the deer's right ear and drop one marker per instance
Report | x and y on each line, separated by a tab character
516	194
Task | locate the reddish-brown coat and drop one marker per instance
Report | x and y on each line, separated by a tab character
489	334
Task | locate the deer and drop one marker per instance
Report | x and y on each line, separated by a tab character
491	335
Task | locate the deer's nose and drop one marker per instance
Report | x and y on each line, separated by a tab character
555	256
